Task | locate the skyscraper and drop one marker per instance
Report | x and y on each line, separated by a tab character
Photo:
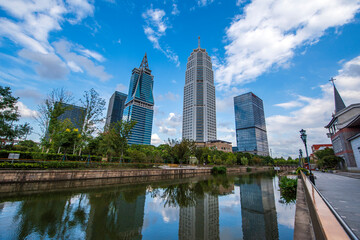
139	105
116	108
199	110
250	124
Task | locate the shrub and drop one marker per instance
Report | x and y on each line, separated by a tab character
305	171
218	170
248	169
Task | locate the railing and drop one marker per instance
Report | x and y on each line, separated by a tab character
326	221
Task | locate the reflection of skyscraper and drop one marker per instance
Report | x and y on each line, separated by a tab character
116	219
139	104
116	108
250	124
259	219
200	221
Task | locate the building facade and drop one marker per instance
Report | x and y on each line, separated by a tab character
199	109
116	108
219	145
344	132
139	104
250	124
74	113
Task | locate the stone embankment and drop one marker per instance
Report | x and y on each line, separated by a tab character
24	176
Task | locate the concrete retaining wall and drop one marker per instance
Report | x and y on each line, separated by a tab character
23	176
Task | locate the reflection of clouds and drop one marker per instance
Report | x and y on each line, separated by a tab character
285	212
229	202
169	214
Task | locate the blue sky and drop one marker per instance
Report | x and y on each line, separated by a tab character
283	51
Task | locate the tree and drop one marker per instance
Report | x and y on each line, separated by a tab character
183	150
50	111
114	138
94	107
9	115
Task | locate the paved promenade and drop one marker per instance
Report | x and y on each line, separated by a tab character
343	193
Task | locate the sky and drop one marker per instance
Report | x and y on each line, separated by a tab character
283	51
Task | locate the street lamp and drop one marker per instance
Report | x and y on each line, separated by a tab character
300	157
303	138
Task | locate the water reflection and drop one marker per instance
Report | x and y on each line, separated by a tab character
132	212
259	219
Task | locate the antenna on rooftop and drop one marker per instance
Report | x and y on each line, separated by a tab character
199	42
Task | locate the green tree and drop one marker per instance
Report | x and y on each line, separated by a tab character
94	107
183	150
114	138
9	115
27	146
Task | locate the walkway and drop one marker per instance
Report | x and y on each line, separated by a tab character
343	193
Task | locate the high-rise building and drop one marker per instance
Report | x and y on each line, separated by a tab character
116	108
199	110
250	125
139	105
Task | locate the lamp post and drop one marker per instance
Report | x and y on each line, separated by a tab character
300	158
303	138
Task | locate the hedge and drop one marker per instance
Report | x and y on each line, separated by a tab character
49	156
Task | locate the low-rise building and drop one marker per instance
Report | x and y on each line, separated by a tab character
344	131
219	145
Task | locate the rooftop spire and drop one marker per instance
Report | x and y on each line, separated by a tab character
199	42
339	103
144	63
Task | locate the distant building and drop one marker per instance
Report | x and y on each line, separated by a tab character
250	125
219	145
199	110
116	108
74	113
318	147
344	131
139	104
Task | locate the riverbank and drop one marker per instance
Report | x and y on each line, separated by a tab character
24	176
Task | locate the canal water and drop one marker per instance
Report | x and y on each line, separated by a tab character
222	207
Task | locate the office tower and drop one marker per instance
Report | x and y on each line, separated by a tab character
139	104
250	124
199	110
200	221
116	108
74	113
258	211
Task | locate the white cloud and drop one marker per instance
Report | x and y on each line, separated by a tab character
203	3
121	88
95	55
291	104
65	50
36	19
167	96
155	28
269	32
175	11
283	130
155	139
48	66
167	130
25	112
29	93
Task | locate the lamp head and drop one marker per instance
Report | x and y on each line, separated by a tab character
303	135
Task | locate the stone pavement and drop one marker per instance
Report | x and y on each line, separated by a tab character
343	193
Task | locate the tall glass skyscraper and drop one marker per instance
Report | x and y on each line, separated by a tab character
116	108
250	125
199	110
139	105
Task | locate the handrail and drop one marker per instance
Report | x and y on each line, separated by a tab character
323	217
338	217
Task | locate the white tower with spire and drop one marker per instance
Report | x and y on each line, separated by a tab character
199	109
